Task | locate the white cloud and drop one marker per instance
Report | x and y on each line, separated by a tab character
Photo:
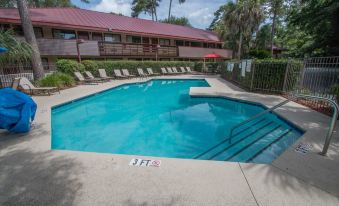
116	6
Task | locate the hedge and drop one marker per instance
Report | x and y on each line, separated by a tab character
57	79
269	74
69	66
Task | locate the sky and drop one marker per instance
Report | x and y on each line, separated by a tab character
200	13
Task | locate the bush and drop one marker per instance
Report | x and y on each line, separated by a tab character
57	79
69	66
92	66
259	54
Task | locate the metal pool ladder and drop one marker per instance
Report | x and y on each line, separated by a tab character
294	97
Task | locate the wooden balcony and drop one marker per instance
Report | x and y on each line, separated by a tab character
135	49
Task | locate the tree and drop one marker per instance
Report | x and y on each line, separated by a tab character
19	52
263	37
41	3
145	6
320	20
38	70
275	10
183	21
170	7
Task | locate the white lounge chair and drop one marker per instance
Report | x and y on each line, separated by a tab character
189	70
125	72
25	85
118	74
90	76
163	71
150	72
103	74
182	69
82	79
174	69
141	72
169	70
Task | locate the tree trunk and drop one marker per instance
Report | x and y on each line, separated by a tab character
239	46
273	31
38	70
169	10
155	11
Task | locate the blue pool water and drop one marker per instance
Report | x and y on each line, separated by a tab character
159	118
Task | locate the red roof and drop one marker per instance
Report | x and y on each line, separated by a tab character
92	20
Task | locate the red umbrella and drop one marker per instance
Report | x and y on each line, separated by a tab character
212	56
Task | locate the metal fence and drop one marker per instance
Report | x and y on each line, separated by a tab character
8	73
316	76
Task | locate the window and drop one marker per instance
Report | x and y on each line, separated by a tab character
112	37
83	35
45	64
187	43
97	36
164	42
179	42
211	45
205	45
38	32
18	30
134	39
195	44
63	34
219	46
4	27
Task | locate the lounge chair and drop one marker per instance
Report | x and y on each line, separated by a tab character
169	70
25	85
189	70
126	73
183	69
90	76
163	71
83	80
175	70
103	74
141	72
150	72
118	74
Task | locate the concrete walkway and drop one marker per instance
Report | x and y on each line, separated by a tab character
33	174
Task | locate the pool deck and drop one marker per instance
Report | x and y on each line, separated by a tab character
33	174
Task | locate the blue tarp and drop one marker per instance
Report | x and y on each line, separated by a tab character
17	111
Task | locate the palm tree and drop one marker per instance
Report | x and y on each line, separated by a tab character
276	9
241	20
38	70
145	6
170	7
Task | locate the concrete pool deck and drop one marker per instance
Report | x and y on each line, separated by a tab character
33	174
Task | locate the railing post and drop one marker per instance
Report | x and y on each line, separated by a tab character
286	75
252	78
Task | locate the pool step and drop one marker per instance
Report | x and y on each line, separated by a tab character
251	131
252	151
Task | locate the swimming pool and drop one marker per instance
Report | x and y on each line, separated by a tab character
159	118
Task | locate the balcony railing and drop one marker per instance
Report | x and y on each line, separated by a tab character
136	49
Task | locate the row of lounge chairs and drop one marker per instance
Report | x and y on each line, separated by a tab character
124	74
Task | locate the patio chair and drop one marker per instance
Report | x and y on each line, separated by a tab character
118	74
169	70
163	71
126	73
103	74
90	76
141	72
25	85
189	70
183	70
83	80
15	83
150	72
174	69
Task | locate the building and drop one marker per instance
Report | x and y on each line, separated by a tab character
111	36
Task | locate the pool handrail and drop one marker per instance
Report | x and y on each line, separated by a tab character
294	97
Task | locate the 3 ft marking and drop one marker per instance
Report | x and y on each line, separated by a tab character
145	163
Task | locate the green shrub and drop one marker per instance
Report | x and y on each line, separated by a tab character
259	54
57	79
69	66
91	66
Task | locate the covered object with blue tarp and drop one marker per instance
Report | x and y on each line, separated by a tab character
17	111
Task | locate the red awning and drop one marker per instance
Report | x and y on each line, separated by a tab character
213	55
